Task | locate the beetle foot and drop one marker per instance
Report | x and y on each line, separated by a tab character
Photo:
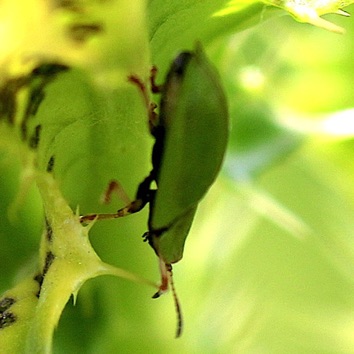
158	294
86	219
162	289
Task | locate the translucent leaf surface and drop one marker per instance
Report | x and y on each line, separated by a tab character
268	264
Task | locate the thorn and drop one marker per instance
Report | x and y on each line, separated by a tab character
342	13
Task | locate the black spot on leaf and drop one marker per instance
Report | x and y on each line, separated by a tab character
6	319
34	140
39	278
50	164
49	230
48	262
6	303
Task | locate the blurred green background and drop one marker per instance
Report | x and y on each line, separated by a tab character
269	263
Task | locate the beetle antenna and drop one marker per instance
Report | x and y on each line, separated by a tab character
177	306
166	279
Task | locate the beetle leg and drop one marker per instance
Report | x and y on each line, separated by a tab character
165	270
150	106
143	196
166	279
115	186
154	87
142	88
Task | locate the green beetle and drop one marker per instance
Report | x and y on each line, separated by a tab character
191	134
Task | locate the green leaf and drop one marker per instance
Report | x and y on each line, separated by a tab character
274	253
173	26
310	11
67	260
